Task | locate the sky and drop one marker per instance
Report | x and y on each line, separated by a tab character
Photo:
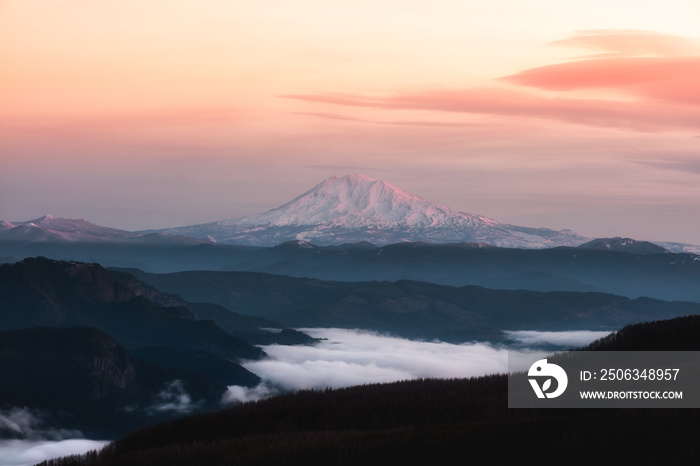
153	114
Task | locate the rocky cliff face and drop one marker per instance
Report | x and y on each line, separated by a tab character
111	366
83	362
82	378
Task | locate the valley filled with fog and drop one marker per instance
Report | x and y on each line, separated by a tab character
341	358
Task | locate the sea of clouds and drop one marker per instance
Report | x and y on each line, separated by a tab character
354	357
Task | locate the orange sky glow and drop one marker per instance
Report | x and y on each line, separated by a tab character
152	114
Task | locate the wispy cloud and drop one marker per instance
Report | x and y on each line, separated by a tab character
30	424
652	79
630	42
239	394
444	124
513	102
173	398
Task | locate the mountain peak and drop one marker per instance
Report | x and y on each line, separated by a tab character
38	222
352	178
354	201
353	186
356	208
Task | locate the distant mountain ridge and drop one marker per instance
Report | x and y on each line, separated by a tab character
50	229
412	309
629	245
357	208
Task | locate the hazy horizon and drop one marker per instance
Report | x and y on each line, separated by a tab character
213	220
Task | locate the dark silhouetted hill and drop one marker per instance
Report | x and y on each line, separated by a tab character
680	334
44	292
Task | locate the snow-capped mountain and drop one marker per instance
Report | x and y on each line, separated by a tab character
357	208
50	229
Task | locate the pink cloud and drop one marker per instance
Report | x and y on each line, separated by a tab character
638	116
645	64
663	78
